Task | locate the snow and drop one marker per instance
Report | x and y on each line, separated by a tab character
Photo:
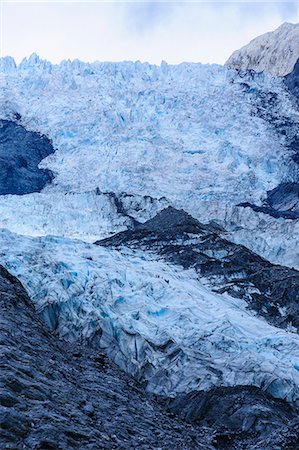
88	216
275	239
191	134
156	321
275	52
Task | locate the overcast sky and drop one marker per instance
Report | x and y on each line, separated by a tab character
147	31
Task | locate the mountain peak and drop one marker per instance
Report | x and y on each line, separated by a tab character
275	52
287	26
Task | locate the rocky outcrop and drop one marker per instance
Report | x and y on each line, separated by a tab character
282	201
241	413
292	80
20	153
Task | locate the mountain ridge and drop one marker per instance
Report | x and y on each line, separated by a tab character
275	52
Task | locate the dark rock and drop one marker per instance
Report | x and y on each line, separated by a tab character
271	290
89	409
241	413
294	148
282	201
285	197
20	153
238	409
292	80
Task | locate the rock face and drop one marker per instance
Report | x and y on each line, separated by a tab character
20	153
241	411
281	202
60	396
275	52
271	290
292	80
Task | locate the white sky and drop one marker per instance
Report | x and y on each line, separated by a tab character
147	31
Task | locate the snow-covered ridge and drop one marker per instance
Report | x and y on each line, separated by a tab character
275	52
156	321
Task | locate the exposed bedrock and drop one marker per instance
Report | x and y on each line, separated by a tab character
20	153
241	412
271	290
282	201
292	80
274	52
56	395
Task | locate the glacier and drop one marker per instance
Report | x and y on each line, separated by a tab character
176	237
199	137
129	140
155	320
57	393
51	213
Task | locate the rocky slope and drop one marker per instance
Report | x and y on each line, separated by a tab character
272	291
59	396
292	81
275	52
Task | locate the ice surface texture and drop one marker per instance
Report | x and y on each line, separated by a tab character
203	138
175	236
183	132
156	321
132	138
58	395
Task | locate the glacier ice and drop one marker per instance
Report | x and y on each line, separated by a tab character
156	321
203	138
87	216
130	139
175	236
